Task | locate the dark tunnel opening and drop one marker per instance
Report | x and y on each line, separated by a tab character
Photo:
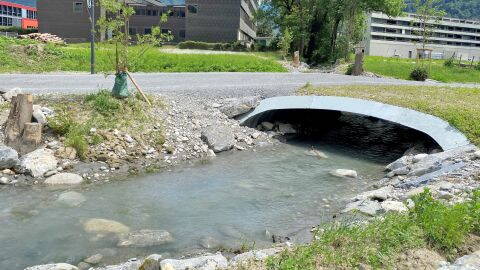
369	137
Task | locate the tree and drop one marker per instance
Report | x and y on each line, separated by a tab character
115	22
427	14
326	30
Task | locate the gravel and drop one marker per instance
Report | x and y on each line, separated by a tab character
194	84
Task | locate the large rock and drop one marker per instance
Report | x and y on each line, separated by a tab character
100	225
399	163
208	262
394	206
38	115
219	138
255	255
344	173
53	266
152	262
132	264
38	162
237	106
71	198
467	262
380	194
145	238
286	129
367	207
12	93
8	157
64	179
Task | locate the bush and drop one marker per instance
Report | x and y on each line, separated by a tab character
349	70
419	74
195	45
449	62
238	46
18	30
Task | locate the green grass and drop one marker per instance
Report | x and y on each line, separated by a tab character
458	106
401	68
76	57
77	115
430	224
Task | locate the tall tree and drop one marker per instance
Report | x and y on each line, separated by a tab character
325	30
428	14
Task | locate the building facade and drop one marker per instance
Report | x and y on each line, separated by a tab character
197	20
18	14
399	37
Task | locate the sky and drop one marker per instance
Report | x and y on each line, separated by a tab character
30	3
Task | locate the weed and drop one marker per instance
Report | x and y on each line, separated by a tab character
76	138
62	121
103	102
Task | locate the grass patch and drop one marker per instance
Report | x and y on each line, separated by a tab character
458	106
76	115
430	224
76	57
401	68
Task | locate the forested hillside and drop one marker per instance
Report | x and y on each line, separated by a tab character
464	9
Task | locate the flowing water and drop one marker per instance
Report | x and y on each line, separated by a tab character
235	198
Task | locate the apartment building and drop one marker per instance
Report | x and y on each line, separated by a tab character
198	20
18	13
400	37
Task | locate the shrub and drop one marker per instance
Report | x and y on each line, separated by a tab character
61	122
419	74
238	46
477	67
449	62
195	45
349	70
18	30
77	138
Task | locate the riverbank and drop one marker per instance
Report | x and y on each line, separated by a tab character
100	138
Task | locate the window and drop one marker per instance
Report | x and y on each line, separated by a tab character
78	7
193	9
182	33
165	31
148	31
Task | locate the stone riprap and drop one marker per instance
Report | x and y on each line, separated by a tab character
38	162
8	157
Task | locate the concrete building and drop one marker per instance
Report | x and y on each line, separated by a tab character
197	20
398	37
17	13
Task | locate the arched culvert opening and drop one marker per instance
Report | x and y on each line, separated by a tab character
369	137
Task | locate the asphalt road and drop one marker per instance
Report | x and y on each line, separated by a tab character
205	84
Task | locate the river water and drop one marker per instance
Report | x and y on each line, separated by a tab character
235	199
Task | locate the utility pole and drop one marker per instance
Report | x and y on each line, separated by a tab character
91	7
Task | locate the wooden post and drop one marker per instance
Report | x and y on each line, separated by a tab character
32	137
296	59
358	66
20	114
138	88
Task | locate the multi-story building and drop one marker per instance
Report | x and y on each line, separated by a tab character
18	13
400	37
197	20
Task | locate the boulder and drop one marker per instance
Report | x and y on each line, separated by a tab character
38	115
94	259
71	198
234	107
8	157
380	194
367	207
100	225
255	255
145	238
12	93
38	162
53	266
286	129
467	262
400	171
132	264
419	157
152	262
395	206
399	163
316	153
207	262
64	179
267	126
344	173
218	138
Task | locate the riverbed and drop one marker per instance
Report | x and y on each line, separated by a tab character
236	200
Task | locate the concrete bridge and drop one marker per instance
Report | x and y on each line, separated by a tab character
439	130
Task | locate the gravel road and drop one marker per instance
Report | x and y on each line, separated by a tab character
206	84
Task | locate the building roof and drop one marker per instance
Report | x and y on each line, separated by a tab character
28	3
173	2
